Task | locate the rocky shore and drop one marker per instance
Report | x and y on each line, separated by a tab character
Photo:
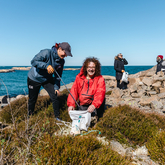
13	69
146	91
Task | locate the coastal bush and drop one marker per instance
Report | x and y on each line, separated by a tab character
33	141
129	125
108	93
74	150
18	108
17	140
156	147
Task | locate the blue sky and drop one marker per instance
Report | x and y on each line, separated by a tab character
99	28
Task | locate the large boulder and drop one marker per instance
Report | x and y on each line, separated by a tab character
147	81
133	81
156	105
117	93
157	84
147	100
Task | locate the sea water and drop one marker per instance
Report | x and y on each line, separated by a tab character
15	83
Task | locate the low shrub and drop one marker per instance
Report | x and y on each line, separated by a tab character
156	147
129	125
75	150
19	108
108	93
17	141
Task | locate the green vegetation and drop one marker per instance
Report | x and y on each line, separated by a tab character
75	150
33	140
108	93
134	127
156	147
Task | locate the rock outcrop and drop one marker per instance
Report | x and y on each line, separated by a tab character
6	70
21	68
13	69
146	91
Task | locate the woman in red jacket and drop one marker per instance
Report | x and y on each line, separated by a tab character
89	88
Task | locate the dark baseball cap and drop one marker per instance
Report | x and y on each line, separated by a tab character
65	46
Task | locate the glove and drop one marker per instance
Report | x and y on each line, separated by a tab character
50	69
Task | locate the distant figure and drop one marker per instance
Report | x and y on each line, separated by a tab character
119	67
160	64
42	74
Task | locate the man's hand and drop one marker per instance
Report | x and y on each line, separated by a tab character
50	69
122	71
70	108
91	108
58	92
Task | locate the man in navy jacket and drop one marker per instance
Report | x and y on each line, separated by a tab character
42	74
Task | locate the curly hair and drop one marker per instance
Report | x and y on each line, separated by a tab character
97	65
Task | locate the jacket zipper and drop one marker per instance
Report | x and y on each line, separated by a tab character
88	86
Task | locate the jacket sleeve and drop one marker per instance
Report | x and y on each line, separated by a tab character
38	60
56	78
125	61
116	66
74	92
100	93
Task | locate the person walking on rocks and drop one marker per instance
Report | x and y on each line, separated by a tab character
89	88
42	74
160	64
119	67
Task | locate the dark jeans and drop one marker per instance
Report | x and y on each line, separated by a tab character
34	87
123	85
99	112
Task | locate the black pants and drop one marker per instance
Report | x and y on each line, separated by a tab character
123	85
99	112
34	87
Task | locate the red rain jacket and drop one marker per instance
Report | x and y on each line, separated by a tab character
90	91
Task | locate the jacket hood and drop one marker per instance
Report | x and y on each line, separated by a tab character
116	58
81	74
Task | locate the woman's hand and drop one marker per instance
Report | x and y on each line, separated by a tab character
70	108
91	108
50	69
58	92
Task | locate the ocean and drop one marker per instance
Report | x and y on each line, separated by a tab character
16	82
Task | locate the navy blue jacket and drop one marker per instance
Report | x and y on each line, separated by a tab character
41	61
119	66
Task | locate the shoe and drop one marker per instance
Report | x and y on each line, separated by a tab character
58	119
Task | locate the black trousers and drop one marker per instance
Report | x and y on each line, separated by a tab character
34	87
99	112
123	85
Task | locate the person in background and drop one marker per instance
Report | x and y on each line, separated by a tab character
160	64
42	74
119	67
89	88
